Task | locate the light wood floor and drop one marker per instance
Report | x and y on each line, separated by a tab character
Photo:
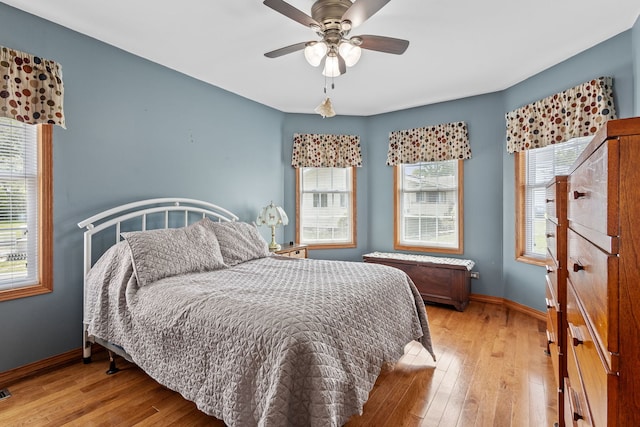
491	371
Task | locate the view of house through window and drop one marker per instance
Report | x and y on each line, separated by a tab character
18	196
428	206
536	168
326	206
21	234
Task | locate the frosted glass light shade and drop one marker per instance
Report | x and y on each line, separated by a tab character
314	52
350	53
331	67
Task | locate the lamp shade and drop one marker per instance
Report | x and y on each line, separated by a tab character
331	66
272	216
350	53
314	52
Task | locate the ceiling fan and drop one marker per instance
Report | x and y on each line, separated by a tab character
332	21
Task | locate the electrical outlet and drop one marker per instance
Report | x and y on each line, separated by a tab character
4	393
475	274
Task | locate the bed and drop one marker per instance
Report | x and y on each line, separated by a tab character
192	295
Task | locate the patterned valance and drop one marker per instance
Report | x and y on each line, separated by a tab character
31	89
579	111
449	141
326	151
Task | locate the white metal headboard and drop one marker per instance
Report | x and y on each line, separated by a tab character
116	216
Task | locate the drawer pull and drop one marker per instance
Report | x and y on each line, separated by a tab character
550	235
549	200
577	267
575	403
576	335
578	194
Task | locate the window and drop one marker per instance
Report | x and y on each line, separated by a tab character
428	206
25	209
534	170
326	207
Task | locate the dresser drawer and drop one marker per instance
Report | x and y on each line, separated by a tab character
576	410
596	377
552	279
551	233
551	203
593	196
298	253
552	318
590	271
553	337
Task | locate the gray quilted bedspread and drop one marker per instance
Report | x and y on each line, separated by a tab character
270	342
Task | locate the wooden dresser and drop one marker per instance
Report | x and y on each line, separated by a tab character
556	280
602	386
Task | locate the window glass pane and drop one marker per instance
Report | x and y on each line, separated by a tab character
428	204
325	206
18	204
542	164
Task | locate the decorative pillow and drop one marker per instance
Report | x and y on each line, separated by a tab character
172	251
239	242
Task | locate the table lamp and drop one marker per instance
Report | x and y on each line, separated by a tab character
272	216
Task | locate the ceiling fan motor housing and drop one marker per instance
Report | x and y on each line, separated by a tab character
329	12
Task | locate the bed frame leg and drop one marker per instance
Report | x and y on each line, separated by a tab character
86	347
112	365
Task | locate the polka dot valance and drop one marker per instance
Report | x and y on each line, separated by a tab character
579	111
31	89
449	141
326	151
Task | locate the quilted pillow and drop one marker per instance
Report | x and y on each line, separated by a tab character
172	251
239	242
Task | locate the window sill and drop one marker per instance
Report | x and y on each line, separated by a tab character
429	249
541	262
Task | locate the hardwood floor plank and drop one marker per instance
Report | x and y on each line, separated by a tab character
491	370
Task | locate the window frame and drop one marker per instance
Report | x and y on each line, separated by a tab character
521	220
397	222
354	222
521	184
44	283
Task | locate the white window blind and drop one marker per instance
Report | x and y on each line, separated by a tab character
542	164
325	213
18	204
428	204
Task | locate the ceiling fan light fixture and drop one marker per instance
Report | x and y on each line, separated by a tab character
331	66
350	53
314	52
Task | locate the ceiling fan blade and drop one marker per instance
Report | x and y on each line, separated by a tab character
286	50
384	44
361	10
342	66
291	12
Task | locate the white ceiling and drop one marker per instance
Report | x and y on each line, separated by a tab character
458	48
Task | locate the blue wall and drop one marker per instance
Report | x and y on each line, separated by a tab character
482	180
139	130
135	130
347	125
523	283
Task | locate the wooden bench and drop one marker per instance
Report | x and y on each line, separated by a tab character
441	280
